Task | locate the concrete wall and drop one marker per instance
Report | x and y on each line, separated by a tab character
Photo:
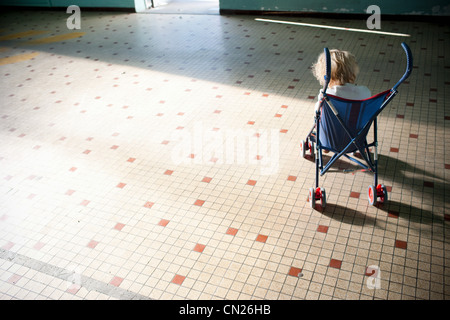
394	7
66	3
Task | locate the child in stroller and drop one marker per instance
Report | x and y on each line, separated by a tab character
344	114
344	70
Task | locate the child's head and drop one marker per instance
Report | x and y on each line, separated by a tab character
344	68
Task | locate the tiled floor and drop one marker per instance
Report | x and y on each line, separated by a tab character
157	157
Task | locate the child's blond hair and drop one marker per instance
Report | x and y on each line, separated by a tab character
344	68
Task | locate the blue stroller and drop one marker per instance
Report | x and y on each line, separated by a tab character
341	126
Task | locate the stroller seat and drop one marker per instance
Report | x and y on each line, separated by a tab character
357	115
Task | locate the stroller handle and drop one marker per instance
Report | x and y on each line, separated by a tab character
409	64
328	68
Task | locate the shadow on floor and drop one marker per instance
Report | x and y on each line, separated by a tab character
395	171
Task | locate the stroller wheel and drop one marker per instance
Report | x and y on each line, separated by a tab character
303	149
311	149
382	192
372	195
312	197
323	198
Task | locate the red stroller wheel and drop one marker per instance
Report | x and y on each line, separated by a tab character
382	193
311	149
303	149
372	195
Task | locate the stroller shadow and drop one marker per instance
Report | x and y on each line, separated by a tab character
419	219
346	215
414	214
397	172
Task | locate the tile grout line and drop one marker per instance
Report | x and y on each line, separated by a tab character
67	275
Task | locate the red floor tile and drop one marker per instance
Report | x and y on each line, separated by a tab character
199	247
92	244
85	202
370	271
119	226
149	204
400	244
8	245
293	271
73	288
323	229
335	263
261	238
116	281
199	202
428	184
393	214
177	279
14	278
39	245
354	194
232	231
163	222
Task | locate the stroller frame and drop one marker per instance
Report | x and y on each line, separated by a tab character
315	146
